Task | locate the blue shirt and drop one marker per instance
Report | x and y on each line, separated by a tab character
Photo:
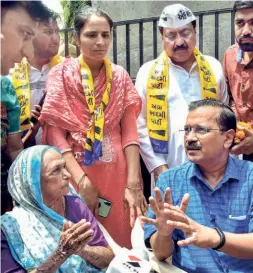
229	206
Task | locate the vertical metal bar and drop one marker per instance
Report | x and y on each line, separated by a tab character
66	41
232	28
155	39
141	42
115	53
128	48
217	35
201	32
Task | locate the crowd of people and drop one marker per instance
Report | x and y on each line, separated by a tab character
73	130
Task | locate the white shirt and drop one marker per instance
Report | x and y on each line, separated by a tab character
37	86
184	88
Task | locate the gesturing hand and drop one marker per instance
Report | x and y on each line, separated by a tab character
158	207
196	234
135	201
74	237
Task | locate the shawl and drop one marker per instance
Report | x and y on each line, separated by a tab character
32	229
66	107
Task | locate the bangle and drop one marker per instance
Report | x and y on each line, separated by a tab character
222	238
133	189
81	179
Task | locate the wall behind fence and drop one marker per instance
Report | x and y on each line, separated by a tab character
138	41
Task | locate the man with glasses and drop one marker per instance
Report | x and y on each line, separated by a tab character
238	67
32	74
167	85
202	210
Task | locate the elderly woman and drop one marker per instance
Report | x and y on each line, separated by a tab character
90	114
48	230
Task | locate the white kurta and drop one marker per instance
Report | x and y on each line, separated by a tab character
184	88
37	85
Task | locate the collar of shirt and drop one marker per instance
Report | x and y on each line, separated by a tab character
43	69
230	173
180	67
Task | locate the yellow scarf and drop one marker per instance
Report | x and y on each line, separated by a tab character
158	95
93	145
20	80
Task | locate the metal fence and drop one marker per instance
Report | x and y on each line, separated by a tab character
128	35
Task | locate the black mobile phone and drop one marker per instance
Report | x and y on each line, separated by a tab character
33	119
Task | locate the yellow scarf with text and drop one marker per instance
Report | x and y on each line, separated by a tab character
94	137
158	96
20	80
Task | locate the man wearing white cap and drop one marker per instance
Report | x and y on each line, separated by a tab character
180	75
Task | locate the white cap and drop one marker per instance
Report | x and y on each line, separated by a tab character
175	16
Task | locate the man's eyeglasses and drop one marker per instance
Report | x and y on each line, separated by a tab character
199	131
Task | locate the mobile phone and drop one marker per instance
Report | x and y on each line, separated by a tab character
104	207
32	119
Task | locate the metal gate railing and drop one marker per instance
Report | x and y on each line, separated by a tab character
141	23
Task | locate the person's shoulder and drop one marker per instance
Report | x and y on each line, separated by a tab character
242	167
67	64
177	173
212	61
232	50
118	69
146	66
73	200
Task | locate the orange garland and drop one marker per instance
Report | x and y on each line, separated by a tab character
240	135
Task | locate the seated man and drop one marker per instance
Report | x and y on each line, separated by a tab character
208	202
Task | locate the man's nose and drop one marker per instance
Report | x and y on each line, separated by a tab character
247	29
179	40
191	136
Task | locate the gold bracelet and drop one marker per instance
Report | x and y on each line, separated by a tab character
81	179
133	189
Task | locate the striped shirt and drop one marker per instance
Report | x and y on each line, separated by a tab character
229	206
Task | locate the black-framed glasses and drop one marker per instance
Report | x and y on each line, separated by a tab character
199	131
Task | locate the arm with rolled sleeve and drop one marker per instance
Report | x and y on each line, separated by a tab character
151	159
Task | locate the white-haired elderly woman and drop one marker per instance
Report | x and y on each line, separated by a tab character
49	230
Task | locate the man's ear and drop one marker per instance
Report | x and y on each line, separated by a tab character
230	135
76	38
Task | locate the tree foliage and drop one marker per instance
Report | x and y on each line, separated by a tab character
70	8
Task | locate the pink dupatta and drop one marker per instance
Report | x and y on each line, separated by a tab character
65	105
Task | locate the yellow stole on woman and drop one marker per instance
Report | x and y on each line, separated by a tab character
94	137
158	97
20	80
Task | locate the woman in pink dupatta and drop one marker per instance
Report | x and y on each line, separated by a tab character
66	117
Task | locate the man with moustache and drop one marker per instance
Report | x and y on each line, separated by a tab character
238	68
202	212
167	85
33	73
